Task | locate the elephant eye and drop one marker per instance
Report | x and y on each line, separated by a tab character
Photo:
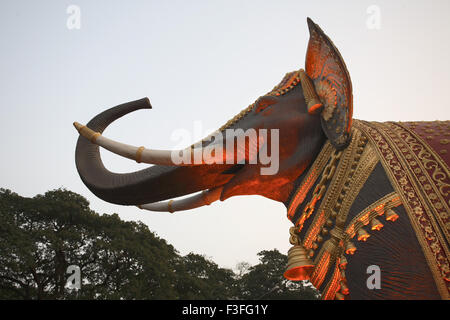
264	102
261	107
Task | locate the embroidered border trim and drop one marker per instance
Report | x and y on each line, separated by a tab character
376	209
401	163
356	164
436	183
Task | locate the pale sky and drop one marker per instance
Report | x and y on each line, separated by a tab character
200	63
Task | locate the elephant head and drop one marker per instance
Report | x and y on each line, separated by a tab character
306	108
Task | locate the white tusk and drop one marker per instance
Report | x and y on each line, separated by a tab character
139	154
183	157
201	199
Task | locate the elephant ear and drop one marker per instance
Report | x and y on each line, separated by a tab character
325	66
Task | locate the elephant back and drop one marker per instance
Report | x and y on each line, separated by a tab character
415	157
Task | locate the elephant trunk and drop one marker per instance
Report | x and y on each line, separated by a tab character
149	185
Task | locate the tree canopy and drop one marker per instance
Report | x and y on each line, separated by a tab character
41	237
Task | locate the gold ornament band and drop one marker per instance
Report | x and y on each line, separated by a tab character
169	206
139	154
86	132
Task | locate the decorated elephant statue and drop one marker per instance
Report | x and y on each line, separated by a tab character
361	195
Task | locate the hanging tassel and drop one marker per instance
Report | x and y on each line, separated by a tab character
343	263
309	92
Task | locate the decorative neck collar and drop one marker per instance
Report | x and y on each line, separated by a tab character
317	169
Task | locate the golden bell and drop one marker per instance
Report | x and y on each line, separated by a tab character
362	235
339	296
376	225
350	248
391	215
299	265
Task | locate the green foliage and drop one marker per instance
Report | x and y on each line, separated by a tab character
41	236
203	279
